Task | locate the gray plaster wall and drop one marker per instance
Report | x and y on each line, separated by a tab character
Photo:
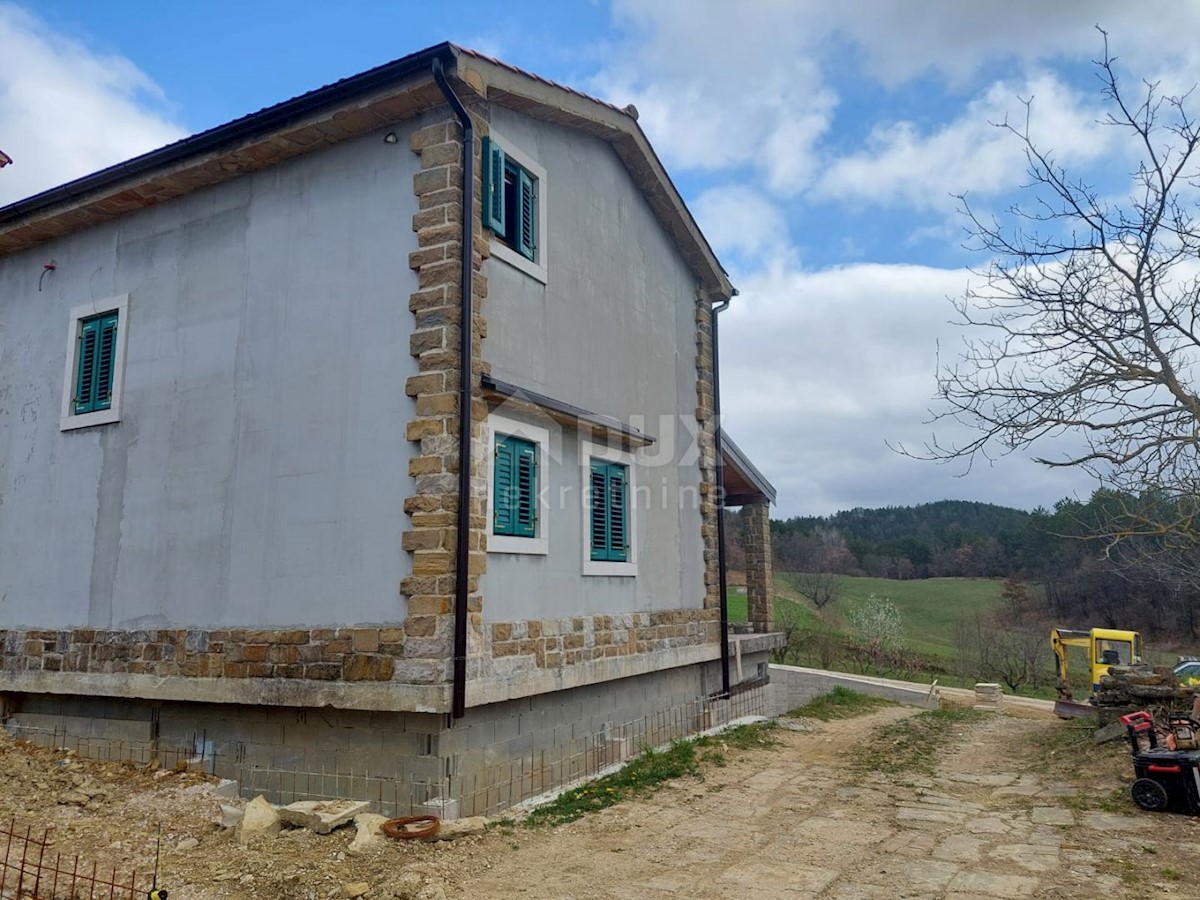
258	474
612	331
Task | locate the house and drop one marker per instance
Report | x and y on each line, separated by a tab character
231	402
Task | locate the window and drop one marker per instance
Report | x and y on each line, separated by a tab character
514	206
93	375
609	510
609	519
517	495
94	363
515	478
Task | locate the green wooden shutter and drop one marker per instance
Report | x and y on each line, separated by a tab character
609	523
514	483
105	360
599	510
85	376
526	216
618	514
502	502
525	512
493	186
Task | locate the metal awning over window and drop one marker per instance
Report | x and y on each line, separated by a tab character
560	409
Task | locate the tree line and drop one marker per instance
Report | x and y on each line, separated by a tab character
1065	565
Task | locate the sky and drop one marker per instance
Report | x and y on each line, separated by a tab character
819	145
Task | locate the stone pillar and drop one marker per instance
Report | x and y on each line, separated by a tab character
757	518
434	341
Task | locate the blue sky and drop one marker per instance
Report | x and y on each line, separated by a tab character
818	145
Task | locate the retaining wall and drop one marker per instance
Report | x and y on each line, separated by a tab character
793	686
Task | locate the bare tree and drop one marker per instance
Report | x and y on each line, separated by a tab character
1089	311
821	588
999	647
1018	657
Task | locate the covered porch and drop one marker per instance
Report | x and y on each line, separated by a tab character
746	487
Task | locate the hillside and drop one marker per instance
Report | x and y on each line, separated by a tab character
928	607
949	538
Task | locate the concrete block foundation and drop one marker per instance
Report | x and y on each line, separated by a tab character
402	762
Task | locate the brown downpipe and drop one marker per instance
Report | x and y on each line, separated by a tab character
466	328
721	576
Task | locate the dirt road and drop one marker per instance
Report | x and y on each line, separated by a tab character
1007	814
794	823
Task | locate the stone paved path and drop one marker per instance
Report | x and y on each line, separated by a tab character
796	823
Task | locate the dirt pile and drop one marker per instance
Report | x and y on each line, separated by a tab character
109	813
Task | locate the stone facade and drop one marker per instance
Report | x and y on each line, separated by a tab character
317	654
757	538
433	506
551	643
706	428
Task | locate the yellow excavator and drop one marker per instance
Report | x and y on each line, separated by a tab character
1104	647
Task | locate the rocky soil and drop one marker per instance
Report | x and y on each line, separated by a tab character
1009	813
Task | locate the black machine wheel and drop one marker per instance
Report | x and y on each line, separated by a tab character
1149	795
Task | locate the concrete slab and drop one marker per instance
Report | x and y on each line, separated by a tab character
989	884
959	848
1109	822
1051	815
323	816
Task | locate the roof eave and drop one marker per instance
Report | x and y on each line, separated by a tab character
100	192
747	469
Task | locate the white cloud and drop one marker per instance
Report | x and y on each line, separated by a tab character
65	110
956	40
820	370
722	85
755	85
971	154
740	221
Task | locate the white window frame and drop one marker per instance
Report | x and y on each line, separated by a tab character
534	268
587	452
539	544
67	420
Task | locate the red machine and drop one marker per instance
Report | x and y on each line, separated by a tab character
1168	777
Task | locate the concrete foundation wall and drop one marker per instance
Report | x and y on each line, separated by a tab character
793	686
494	757
613	331
258	473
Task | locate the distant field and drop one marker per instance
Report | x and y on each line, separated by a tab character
929	606
929	609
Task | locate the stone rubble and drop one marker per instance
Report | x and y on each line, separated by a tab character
260	818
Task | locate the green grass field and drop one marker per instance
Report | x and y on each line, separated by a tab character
929	606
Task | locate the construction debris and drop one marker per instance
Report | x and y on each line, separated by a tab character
460	828
369	834
260	818
989	697
322	816
229	816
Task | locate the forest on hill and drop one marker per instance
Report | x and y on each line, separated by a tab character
1070	576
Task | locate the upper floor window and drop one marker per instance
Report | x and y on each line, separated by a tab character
95	364
95	354
514	206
